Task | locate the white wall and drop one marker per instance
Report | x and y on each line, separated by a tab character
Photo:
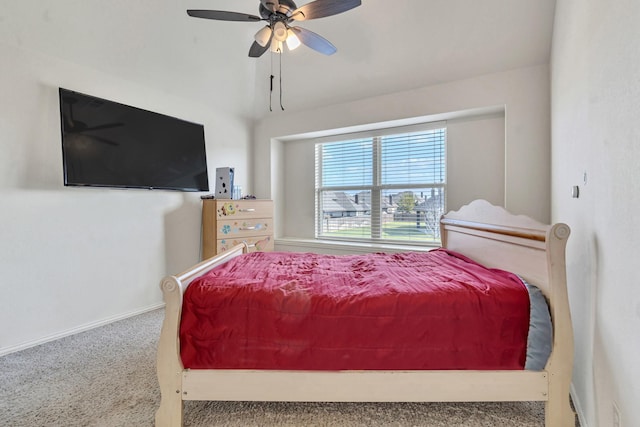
596	130
522	93
476	152
475	169
70	257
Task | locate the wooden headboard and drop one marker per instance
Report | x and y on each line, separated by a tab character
496	238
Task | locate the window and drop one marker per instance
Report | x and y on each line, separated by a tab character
385	187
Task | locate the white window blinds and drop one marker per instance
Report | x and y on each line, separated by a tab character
347	163
387	187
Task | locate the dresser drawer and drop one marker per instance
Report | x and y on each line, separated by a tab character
240	209
234	228
256	243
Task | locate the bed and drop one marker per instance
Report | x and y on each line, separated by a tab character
481	232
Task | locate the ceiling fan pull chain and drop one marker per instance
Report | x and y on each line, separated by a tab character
270	92
271	83
281	82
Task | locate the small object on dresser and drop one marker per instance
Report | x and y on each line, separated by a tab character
237	192
207	196
224	182
249	197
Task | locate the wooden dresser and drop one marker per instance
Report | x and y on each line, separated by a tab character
226	223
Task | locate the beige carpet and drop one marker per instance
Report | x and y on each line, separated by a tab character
106	377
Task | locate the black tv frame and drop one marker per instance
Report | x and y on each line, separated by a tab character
114	145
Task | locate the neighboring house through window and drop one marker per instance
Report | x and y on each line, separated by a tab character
384	186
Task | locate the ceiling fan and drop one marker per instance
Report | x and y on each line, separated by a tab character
279	14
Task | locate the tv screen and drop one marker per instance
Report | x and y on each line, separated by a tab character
108	144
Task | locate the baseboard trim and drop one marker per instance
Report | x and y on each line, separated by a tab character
77	330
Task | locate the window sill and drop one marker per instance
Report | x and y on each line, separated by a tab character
293	244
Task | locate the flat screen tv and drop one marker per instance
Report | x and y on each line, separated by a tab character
108	144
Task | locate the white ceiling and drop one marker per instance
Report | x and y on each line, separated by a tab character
383	46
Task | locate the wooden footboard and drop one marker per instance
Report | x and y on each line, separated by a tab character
485	233
169	365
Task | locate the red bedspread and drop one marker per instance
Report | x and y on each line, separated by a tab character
416	310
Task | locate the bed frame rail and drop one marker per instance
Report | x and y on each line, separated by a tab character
365	386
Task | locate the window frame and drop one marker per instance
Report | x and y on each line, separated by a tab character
376	188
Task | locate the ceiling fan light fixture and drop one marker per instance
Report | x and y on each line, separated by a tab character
292	40
280	31
276	46
262	37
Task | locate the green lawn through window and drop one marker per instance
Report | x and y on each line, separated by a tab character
391	230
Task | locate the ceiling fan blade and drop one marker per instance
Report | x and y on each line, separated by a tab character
77	141
256	51
222	15
321	8
103	140
270	5
76	126
104	126
314	41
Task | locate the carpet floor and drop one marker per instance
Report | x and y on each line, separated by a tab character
106	377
